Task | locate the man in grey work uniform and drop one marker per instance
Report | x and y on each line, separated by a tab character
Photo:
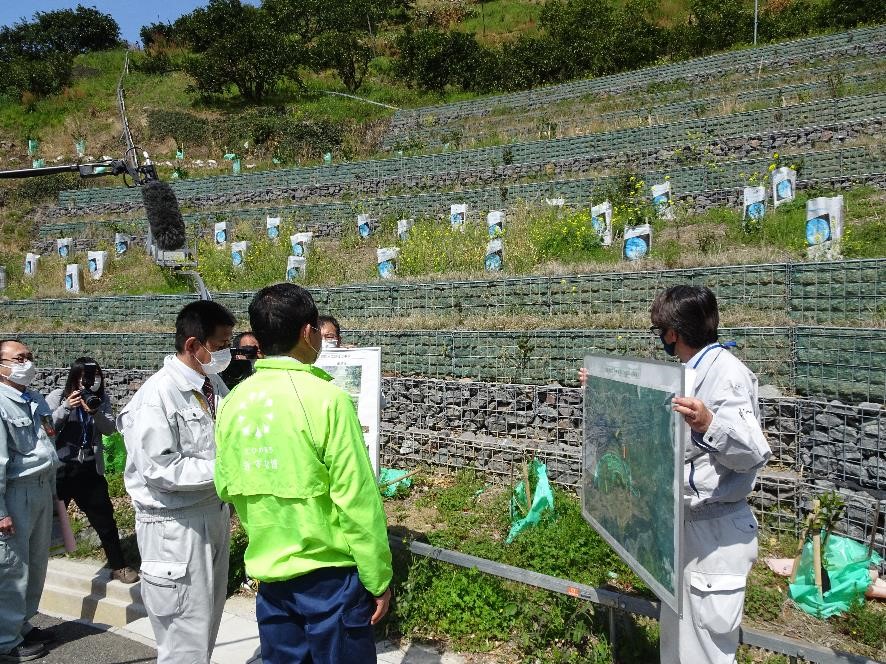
726	449
182	527
27	484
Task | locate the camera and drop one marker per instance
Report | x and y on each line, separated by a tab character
245	352
90	398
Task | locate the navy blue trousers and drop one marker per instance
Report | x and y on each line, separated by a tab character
319	618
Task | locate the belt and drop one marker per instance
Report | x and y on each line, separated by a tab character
146	515
708	511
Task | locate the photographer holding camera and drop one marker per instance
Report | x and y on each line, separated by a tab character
244	352
81	413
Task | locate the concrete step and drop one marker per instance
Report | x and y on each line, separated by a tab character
84	589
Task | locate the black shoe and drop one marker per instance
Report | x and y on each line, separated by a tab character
24	652
37	635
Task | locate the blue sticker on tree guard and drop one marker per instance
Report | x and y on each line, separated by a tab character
599	224
29	267
363	230
386	269
660	201
69	281
237	258
783	190
635	247
493	262
292	274
298	249
220	236
818	230
63	250
273	232
93	265
756	210
120	247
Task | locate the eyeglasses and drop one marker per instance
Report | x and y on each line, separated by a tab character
658	331
19	359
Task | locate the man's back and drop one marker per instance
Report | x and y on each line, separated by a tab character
291	458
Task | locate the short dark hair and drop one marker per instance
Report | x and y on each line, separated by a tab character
200	319
76	373
278	313
238	339
691	311
332	321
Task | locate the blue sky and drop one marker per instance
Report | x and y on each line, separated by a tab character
130	15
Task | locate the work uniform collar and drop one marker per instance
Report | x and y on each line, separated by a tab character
288	363
184	377
704	359
13	394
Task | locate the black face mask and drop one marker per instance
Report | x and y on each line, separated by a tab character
670	349
238	371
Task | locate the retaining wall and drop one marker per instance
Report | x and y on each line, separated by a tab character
817	293
843	363
751	132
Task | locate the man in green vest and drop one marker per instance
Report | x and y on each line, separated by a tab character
292	460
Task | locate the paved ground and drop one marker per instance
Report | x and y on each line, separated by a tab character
77	641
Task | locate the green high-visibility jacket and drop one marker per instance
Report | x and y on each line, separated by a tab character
291	458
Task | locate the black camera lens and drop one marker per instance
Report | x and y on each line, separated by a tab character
90	398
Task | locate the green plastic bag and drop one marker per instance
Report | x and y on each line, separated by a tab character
847	566
542	500
114	453
389	475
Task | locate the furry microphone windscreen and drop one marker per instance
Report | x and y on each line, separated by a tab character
164	215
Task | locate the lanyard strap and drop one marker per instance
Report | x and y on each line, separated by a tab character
86	426
725	344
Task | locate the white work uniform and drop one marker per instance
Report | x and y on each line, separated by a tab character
183	529
720	531
27	483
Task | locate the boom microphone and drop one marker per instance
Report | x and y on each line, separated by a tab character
164	216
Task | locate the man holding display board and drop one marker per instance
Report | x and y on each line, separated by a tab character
717	539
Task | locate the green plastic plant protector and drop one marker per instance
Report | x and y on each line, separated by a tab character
114	453
542	501
386	475
847	564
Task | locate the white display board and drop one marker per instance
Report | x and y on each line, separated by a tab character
633	464
358	372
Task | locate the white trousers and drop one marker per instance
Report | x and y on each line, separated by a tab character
718	554
184	580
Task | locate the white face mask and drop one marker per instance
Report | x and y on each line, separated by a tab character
21	374
219	362
329	343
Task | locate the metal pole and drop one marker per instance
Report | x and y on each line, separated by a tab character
756	7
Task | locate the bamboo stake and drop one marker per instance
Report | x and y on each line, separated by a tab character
796	566
382	485
816	550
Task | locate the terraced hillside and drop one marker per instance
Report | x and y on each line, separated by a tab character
480	368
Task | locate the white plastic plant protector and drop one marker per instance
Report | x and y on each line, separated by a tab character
556	202
601	219
754	207
64	246
72	278
31	261
300	243
272	224
2	277
662	201
824	226
122	242
296	268
494	260
364	227
638	242
784	185
386	259
221	233
95	263
403	228
458	214
495	222
238	253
